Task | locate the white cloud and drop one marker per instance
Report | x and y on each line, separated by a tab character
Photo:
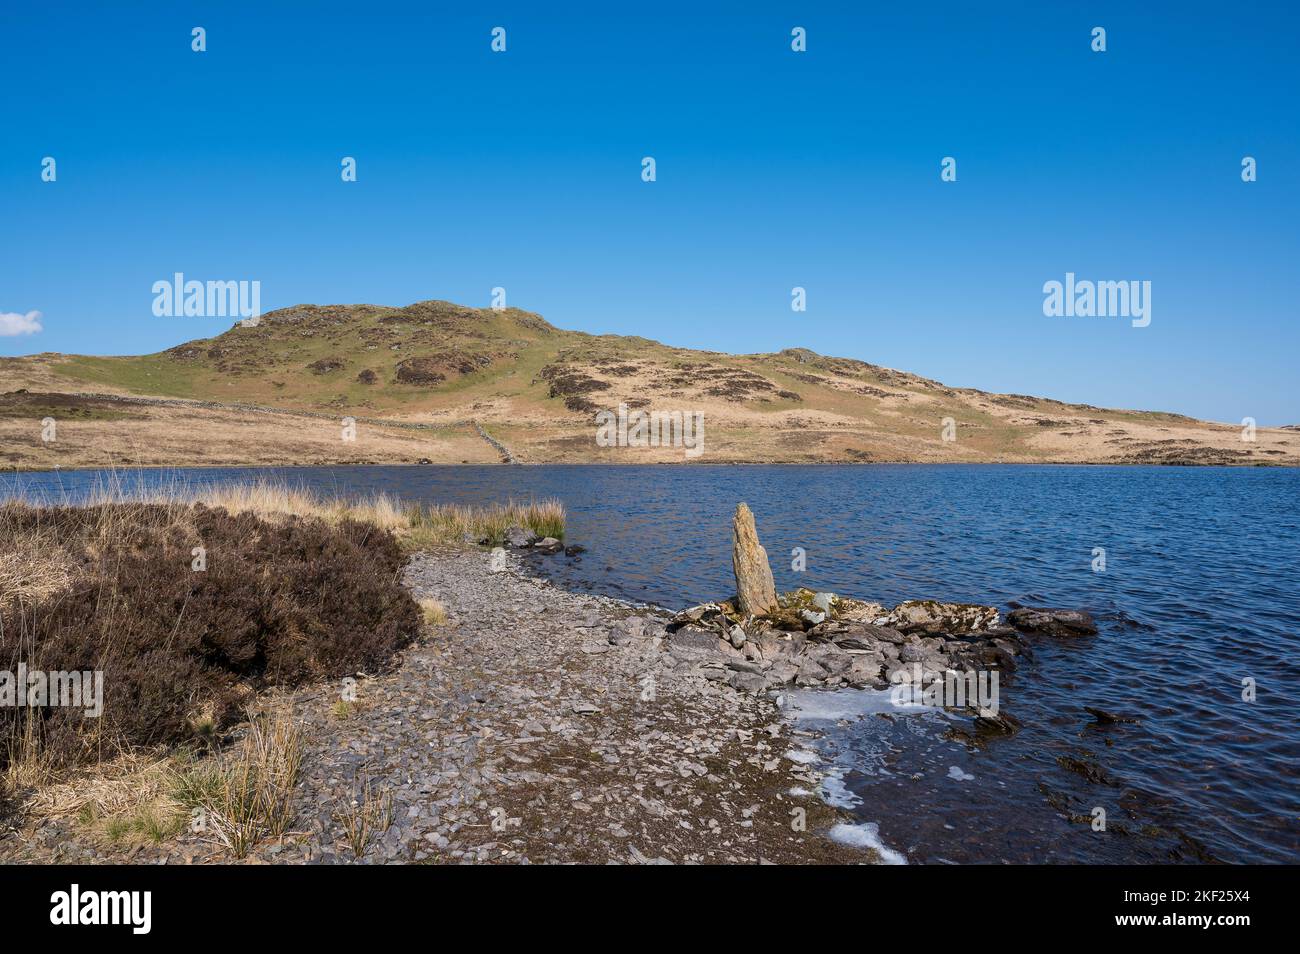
12	323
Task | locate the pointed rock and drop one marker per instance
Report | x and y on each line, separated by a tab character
755	590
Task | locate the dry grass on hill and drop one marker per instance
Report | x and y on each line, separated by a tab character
536	388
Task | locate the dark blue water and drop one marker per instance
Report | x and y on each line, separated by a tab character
1200	591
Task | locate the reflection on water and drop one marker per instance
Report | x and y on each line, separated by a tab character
1200	591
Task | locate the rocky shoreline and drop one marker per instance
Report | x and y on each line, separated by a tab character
758	641
535	726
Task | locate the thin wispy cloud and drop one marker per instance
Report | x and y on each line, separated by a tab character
13	323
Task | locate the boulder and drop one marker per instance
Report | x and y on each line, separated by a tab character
832	660
859	642
548	545
853	635
695	643
1052	622
810	673
861	611
737	636
630	630
866	671
774	645
781	673
930	617
751	682
519	537
755	589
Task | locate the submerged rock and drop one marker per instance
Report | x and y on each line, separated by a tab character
1102	717
996	723
1052	622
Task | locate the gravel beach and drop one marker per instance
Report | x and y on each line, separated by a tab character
534	726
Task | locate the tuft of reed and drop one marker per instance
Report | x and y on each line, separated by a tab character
421	524
457	523
245	797
369	814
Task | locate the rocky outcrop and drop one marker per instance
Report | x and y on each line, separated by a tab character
813	639
930	617
1052	622
755	589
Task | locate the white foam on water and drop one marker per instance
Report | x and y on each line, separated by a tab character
835	792
821	705
867	835
955	772
817	708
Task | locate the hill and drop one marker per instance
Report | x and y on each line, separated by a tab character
444	383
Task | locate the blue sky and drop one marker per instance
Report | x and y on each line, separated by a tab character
775	169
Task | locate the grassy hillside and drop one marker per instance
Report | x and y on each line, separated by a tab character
536	388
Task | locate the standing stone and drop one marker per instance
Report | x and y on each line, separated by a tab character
755	591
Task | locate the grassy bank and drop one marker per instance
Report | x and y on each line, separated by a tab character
418	524
414	523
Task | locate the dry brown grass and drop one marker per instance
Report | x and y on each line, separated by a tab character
455	523
435	614
37	568
422	524
114	787
236	798
28	763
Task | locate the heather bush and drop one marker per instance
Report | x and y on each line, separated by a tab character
280	602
